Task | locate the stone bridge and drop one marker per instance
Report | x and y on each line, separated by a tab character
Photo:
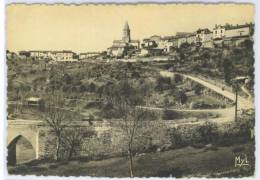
35	134
28	130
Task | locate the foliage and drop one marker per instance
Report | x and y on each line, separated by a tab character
208	132
198	89
163	83
177	78
169	115
227	66
182	97
176	137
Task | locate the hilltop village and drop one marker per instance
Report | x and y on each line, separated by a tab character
127	48
160	107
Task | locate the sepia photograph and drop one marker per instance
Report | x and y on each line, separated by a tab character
130	90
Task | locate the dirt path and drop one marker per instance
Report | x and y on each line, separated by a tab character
243	103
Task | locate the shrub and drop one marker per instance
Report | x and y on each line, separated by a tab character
92	87
182	97
198	89
176	137
208	133
177	78
92	105
169	115
163	83
82	88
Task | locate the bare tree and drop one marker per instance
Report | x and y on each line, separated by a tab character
72	140
56	120
132	121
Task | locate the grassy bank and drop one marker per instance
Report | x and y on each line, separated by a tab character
188	161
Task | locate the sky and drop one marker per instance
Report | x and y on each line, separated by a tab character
85	28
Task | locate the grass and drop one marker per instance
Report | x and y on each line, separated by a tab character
188	162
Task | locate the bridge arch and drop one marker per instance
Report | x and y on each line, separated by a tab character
20	150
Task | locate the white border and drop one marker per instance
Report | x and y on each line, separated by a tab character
3	80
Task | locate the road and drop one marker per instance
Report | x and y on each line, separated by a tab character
243	103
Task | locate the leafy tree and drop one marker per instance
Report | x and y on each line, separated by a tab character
177	78
182	97
198	88
228	67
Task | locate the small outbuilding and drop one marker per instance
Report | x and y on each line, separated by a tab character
35	101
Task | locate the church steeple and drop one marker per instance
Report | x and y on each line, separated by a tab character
126	26
126	33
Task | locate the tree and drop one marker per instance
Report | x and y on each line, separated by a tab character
198	89
228	67
125	99
177	78
131	124
182	97
72	139
56	120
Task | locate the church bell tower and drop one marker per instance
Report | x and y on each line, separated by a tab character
126	33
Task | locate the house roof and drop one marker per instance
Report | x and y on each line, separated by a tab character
230	26
169	37
118	41
237	26
155	36
134	41
35	99
205	30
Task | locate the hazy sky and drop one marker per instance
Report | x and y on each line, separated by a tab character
94	27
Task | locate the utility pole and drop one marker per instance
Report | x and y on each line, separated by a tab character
236	102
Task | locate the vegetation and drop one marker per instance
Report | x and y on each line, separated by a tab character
130	94
173	163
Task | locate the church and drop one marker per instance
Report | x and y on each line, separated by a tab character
124	47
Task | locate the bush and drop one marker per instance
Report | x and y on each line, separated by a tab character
177	78
169	115
176	137
203	105
198	89
93	104
163	83
92	87
182	97
82	88
208	133
135	75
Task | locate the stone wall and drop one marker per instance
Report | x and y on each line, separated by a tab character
110	139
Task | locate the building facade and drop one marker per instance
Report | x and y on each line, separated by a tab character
124	47
230	35
89	55
204	38
53	55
